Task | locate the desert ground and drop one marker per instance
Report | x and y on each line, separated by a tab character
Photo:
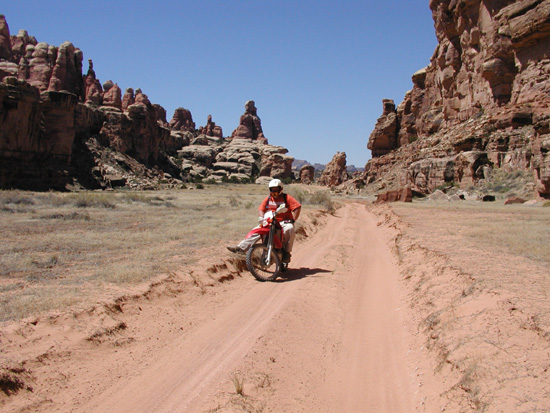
131	303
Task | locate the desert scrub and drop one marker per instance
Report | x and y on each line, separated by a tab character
521	230
62	248
305	197
510	183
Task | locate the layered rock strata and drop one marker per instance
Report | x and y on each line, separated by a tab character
61	129
483	102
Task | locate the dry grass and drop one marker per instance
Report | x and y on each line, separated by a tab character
62	249
313	197
520	230
478	274
58	248
238	382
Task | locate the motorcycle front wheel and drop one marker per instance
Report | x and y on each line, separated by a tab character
258	264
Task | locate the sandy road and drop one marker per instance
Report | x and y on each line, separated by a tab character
330	338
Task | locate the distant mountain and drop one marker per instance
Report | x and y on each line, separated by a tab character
352	168
299	163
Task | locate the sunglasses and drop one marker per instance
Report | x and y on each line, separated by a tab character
276	189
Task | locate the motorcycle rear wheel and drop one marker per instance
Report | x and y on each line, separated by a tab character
256	261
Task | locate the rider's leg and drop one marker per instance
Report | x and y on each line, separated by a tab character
289	234
246	243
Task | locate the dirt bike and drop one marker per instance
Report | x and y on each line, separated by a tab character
265	260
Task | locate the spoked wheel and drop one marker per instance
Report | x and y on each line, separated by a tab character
258	264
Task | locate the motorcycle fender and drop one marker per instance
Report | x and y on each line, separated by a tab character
260	231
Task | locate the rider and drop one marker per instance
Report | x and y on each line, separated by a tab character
271	203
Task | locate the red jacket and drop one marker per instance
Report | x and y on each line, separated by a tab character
271	204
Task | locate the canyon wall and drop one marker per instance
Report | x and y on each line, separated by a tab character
482	102
62	129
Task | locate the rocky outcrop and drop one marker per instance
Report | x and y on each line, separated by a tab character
307	174
50	110
36	135
182	120
384	137
275	162
400	195
211	129
250	125
128	98
112	95
335	172
5	40
481	103
60	129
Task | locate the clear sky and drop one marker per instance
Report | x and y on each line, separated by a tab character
317	69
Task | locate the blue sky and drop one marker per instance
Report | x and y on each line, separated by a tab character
317	69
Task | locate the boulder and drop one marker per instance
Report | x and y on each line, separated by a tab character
438	195
514	200
199	154
398	195
274	161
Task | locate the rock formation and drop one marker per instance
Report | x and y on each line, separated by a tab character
384	137
250	125
128	98
60	129
481	103
182	120
335	172
307	174
112	95
49	110
400	195
211	129
5	39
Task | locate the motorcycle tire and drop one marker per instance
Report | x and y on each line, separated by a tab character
256	258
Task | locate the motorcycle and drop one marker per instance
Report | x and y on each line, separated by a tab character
265	260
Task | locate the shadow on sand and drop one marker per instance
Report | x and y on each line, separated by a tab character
293	274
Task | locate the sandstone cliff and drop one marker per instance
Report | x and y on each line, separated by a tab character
62	129
481	104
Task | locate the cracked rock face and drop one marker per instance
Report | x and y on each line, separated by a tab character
58	126
491	68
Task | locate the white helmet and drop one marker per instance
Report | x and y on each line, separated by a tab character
275	187
275	183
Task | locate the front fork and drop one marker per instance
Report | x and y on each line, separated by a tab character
270	245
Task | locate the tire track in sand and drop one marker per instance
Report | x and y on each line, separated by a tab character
367	374
371	372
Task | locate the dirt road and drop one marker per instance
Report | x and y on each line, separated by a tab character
341	347
328	338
